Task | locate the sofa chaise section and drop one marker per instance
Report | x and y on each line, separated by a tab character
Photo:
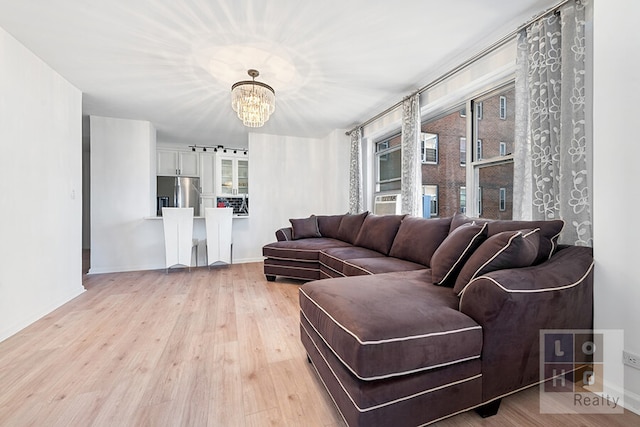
391	347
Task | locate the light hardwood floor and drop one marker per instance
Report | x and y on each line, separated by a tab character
215	347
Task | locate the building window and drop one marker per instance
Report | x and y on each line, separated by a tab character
463	112
478	107
463	199
429	147
479	149
463	151
430	195
503	199
503	148
479	201
503	107
388	164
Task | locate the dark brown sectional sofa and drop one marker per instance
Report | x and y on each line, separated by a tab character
419	319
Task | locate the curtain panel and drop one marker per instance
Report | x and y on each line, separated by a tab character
355	173
411	184
553	157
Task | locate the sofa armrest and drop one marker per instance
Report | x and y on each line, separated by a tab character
285	233
512	306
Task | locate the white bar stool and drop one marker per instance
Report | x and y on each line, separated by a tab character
178	236
218	222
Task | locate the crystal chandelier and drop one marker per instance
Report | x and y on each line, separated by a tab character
253	101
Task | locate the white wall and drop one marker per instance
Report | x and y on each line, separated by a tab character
41	188
616	177
122	194
293	178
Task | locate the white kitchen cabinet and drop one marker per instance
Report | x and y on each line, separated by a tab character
232	173
208	174
177	163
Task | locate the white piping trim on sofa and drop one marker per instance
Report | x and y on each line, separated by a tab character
406	338
464	252
391	402
332	269
391	375
292	259
283	234
525	291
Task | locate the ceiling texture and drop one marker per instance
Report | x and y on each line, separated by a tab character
333	63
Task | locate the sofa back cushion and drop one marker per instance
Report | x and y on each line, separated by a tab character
507	249
418	238
448	259
329	225
549	231
378	231
303	228
350	227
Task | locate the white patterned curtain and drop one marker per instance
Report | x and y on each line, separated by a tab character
554	151
411	187
355	173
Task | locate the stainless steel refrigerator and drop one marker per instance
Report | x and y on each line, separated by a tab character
178	192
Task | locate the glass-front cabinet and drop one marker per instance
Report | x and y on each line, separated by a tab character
234	176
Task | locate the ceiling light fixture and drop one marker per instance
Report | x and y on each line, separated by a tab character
253	101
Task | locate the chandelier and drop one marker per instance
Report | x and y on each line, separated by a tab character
253	101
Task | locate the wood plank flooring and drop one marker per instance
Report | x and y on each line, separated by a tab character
215	347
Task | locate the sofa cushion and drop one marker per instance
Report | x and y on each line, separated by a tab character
448	259
377	265
329	225
508	249
303	228
350	226
334	258
418	238
390	324
378	231
305	249
549	231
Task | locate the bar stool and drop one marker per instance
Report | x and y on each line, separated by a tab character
218	222
178	236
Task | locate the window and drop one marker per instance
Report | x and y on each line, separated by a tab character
503	107
430	196
463	199
429	147
444	140
478	107
492	164
463	112
388	164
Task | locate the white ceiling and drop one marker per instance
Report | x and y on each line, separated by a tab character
332	63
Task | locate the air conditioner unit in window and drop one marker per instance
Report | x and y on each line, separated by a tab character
387	205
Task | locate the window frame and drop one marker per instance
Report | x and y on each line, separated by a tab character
423	148
378	155
503	108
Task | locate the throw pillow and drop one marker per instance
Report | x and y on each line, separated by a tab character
448	259
304	227
508	249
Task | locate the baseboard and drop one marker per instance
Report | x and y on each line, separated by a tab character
23	323
129	268
628	400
